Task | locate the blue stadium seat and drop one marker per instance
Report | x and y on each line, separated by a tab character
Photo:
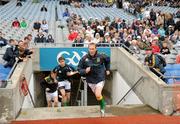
172	70
4	72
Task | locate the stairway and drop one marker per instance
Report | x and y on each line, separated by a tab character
44	113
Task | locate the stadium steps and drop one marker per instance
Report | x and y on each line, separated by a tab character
82	112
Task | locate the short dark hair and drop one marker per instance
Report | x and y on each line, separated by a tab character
92	44
11	40
61	58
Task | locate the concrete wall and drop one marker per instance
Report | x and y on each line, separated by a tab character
11	98
151	90
27	101
120	88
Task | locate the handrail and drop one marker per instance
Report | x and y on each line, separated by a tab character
76	99
12	69
130	90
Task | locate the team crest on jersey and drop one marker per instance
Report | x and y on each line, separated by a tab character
59	71
98	59
86	59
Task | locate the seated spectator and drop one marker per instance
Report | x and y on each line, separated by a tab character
50	39
40	38
16	23
64	2
165	50
87	40
154	45
18	3
44	26
43	8
78	42
37	26
134	47
175	37
23	23
170	30
11	54
3	41
66	13
161	31
73	34
155	62
101	42
96	38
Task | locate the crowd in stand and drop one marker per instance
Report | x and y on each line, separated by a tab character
137	6
97	3
156	32
152	31
42	32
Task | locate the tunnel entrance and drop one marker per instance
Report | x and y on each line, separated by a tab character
76	87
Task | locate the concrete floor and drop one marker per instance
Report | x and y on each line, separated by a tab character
83	112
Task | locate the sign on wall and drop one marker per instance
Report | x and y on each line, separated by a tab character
49	56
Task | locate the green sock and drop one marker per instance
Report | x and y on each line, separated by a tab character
65	104
102	103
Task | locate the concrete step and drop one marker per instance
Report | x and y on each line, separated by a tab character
83	112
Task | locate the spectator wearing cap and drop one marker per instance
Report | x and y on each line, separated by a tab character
155	62
3	41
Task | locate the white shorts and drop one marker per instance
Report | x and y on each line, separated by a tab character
94	86
66	84
51	96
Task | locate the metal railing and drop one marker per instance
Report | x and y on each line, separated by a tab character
132	88
7	80
83	100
